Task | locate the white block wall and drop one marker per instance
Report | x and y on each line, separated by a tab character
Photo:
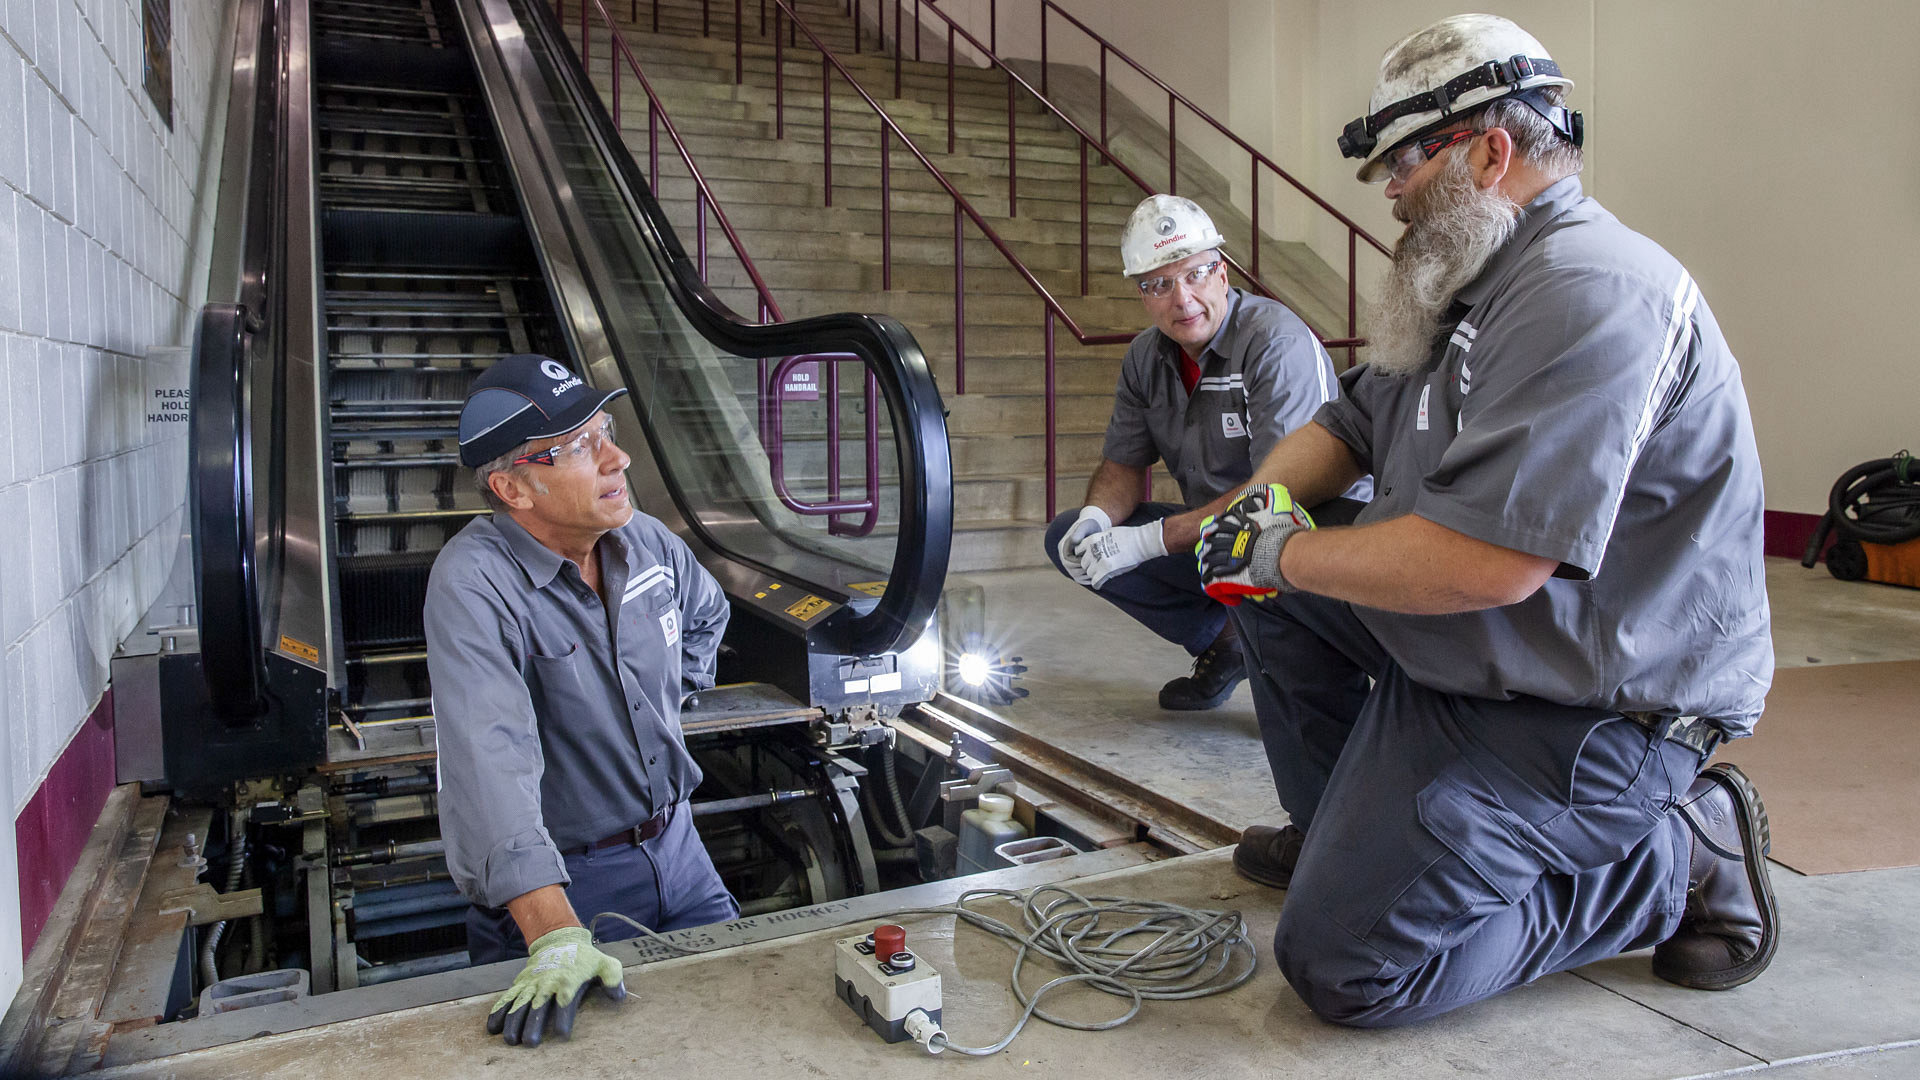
98	210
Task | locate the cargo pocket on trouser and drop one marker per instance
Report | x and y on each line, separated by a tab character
1497	857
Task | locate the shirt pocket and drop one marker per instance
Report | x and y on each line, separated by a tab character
558	686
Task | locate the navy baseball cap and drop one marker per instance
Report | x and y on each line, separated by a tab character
522	397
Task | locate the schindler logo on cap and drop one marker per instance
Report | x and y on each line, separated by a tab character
567	379
1163	226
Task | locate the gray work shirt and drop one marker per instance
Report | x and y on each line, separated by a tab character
1263	374
558	711
1585	409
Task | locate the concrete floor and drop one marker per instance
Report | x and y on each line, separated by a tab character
1837	1004
1841	1002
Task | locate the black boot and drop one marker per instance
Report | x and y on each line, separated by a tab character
1731	926
1267	855
1215	673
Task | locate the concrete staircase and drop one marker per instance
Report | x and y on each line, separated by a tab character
820	259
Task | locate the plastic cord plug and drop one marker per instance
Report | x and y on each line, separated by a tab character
925	1031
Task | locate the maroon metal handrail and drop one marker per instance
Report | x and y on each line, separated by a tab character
963	211
770	382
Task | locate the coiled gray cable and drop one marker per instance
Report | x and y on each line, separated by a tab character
1189	952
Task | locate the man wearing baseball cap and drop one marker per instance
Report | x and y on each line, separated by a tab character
563	631
1208	389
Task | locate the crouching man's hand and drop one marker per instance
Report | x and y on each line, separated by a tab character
1239	553
544	997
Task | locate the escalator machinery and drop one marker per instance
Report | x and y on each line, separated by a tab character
434	212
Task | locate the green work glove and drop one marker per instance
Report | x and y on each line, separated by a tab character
563	966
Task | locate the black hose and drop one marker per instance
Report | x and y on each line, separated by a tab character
1875	502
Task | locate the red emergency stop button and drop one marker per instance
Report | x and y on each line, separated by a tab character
887	940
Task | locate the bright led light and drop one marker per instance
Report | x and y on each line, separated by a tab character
974	669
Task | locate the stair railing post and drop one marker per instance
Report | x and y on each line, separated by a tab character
950	143
859	13
739	48
700	226
763	18
1052	451
833	434
1353	294
656	16
584	66
1103	96
779	80
706	19
1083	216
916	31
1013	209
898	50
993	27
613	61
1255	196
633	11
1043	47
959	304
653	146
826	123
1173	175
886	211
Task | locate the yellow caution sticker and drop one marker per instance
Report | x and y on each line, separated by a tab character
309	653
808	608
760	596
775	585
871	588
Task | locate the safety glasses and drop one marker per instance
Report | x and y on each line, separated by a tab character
584	448
1402	161
1158	287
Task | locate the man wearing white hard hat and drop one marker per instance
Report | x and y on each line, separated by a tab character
1489	704
1208	389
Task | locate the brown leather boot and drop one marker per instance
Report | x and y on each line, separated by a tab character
1266	855
1731	926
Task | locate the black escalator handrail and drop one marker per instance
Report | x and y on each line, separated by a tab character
925	539
221	444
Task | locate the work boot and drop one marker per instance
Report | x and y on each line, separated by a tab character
1266	854
1215	673
1731	926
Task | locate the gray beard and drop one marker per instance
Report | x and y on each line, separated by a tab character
1453	229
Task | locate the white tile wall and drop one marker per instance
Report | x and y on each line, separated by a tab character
96	218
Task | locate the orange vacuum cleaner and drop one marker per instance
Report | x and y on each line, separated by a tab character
1874	509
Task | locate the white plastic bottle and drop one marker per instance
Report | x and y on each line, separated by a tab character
984	828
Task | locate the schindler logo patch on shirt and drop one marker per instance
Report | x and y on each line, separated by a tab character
1233	425
670	627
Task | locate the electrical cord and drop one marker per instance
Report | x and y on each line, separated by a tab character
1187	952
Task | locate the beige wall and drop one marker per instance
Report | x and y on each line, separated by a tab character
1751	139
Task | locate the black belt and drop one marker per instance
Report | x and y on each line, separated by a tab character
1693	732
634	837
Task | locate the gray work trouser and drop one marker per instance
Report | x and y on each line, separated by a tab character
1456	847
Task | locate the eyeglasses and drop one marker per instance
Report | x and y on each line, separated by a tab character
1157	287
586	447
1401	161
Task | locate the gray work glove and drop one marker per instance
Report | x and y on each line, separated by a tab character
562	967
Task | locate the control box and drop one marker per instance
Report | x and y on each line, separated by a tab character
882	981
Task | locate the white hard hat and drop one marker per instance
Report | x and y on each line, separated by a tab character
1450	67
1165	229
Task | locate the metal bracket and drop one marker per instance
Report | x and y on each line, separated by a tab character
203	905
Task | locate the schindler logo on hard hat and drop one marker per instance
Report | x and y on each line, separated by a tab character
1163	226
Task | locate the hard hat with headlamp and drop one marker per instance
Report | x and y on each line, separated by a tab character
1446	70
1165	229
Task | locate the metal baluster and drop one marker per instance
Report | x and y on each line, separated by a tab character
959	305
1256	218
1052	452
949	88
1173	177
1083	216
739	48
886	211
779	80
1013	209
826	122
1043	49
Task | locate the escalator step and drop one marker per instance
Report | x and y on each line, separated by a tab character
381	597
425	239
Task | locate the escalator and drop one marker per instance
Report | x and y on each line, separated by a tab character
413	188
